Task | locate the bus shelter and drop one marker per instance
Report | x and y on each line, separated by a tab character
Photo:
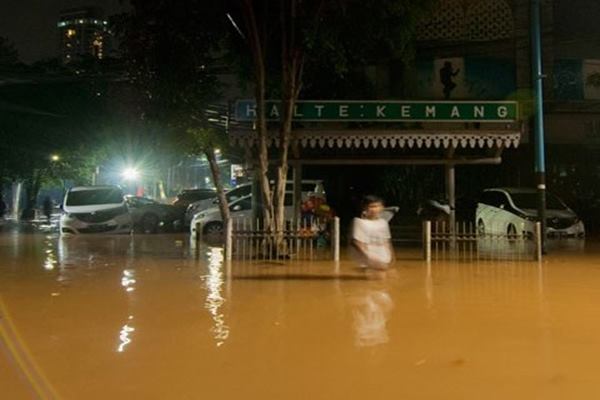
442	133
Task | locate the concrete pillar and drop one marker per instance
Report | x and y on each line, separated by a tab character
451	195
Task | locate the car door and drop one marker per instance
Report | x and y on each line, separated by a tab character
504	215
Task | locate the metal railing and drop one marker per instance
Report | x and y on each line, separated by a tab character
311	239
463	241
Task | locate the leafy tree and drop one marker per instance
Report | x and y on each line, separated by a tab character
171	49
8	53
43	114
83	112
299	37
175	50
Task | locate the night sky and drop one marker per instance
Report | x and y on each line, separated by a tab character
31	24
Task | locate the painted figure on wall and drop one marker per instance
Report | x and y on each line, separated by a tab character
447	72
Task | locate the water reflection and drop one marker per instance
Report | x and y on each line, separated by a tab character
371	313
50	260
214	283
94	251
128	280
429	285
124	337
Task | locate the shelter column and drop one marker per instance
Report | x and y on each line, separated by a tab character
451	195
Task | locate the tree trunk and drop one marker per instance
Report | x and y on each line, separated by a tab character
257	46
291	62
216	176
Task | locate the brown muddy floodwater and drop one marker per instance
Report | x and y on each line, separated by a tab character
142	318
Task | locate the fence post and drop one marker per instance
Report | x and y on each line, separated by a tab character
538	241
228	239
336	239
427	240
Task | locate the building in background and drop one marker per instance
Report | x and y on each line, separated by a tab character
83	32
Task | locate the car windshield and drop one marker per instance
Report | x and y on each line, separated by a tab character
94	196
530	201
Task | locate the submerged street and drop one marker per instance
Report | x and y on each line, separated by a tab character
141	317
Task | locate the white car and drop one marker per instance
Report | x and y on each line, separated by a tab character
211	222
309	187
232	195
513	211
95	209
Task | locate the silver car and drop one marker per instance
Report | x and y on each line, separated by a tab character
513	211
210	220
309	187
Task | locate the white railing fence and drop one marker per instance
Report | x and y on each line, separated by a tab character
463	241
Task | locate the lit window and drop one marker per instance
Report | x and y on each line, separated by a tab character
98	47
71	32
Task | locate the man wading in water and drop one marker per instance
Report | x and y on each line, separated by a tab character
371	235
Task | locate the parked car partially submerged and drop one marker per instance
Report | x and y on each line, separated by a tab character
513	211
309	188
95	209
211	222
149	215
188	196
201	205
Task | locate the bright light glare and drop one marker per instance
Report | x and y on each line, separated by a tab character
130	174
54	157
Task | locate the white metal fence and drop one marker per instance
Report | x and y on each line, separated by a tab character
462	241
308	239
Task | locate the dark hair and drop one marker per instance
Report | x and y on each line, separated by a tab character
370	199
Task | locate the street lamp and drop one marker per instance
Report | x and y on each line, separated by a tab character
130	174
54	157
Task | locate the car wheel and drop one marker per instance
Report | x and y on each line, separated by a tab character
511	232
149	223
213	228
480	227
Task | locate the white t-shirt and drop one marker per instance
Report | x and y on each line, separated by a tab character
374	233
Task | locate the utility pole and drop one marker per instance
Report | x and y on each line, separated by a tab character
536	67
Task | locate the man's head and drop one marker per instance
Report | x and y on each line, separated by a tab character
372	207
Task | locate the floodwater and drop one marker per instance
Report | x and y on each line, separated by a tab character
142	318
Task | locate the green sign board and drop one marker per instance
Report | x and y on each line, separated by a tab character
386	111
